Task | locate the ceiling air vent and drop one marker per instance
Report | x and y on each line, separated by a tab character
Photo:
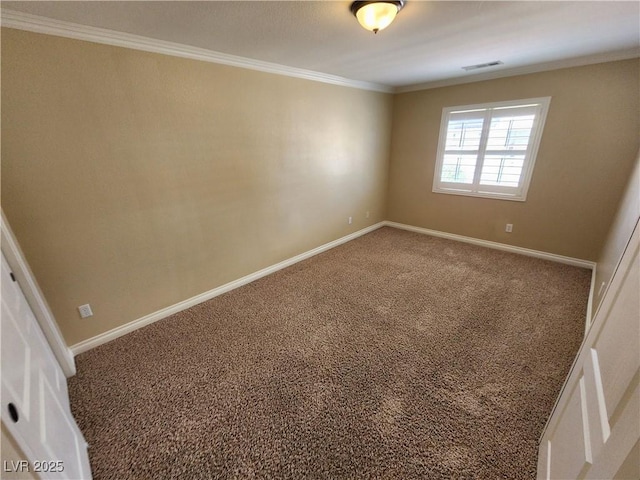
482	65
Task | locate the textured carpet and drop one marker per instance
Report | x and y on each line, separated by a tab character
396	355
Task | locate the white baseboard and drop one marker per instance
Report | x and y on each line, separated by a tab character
203	297
522	251
576	262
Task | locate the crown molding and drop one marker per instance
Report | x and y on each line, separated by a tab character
59	28
626	54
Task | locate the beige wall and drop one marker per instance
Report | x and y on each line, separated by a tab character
622	228
134	181
586	155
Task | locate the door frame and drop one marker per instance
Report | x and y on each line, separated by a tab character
35	299
573	381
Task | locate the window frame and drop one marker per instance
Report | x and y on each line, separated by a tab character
475	189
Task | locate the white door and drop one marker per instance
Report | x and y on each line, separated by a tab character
595	428
35	401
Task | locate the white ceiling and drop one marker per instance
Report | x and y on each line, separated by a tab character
427	45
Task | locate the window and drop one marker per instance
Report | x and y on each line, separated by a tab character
489	150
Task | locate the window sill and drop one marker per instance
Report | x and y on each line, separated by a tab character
493	196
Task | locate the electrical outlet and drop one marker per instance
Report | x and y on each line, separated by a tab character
350	220
366	215
509	228
85	311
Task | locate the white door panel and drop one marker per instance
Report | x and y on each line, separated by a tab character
598	419
624	436
566	461
17	377
618	337
596	422
35	402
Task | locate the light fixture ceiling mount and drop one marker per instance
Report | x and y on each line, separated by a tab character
376	15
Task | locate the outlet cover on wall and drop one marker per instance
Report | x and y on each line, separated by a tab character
509	228
85	310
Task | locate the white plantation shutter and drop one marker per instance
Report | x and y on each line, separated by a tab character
489	150
462	148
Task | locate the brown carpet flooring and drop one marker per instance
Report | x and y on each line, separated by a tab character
396	355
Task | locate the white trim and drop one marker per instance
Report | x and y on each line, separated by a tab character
592	291
609	298
50	26
36	299
203	297
619	263
502	72
576	262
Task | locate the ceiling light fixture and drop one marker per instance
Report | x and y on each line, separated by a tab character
376	15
